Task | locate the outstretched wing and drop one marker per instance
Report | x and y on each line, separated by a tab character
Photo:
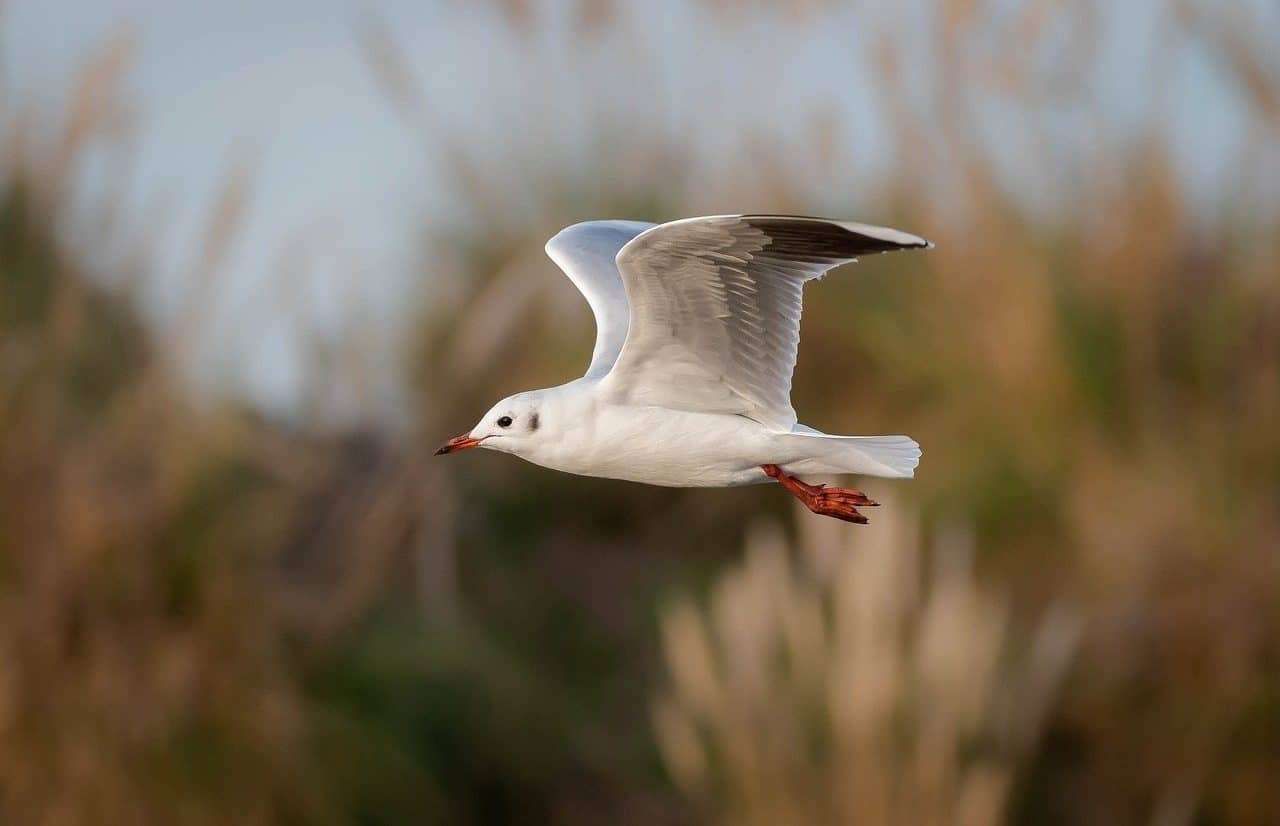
715	308
587	252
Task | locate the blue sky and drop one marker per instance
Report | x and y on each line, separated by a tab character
342	187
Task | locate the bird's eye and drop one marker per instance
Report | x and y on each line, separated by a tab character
505	421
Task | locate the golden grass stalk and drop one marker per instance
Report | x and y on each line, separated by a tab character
859	692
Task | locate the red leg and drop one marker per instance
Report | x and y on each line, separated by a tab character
842	503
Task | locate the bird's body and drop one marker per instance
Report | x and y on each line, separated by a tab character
585	432
689	384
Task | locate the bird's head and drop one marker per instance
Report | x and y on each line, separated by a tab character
511	426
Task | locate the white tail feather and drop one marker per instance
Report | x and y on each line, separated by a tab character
899	454
890	456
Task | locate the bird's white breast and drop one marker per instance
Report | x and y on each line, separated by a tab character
657	446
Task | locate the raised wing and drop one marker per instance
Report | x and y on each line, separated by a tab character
715	308
587	252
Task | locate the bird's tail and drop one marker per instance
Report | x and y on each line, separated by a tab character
895	457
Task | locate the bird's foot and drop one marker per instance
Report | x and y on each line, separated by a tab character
842	503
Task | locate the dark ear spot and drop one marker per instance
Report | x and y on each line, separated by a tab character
533	421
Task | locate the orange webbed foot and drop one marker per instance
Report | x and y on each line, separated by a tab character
841	503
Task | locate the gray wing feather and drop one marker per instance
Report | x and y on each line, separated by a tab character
587	252
715	308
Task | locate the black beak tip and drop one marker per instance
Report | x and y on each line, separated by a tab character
442	451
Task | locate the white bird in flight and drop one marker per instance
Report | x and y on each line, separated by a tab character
697	326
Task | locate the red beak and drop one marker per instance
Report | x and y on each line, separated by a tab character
457	443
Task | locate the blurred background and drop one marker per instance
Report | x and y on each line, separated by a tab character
257	260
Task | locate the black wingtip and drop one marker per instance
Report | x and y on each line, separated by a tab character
802	235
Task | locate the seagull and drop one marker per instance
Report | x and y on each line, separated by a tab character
697	327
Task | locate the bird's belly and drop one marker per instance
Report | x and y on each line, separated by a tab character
668	448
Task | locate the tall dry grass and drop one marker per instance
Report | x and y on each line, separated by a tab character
168	571
864	682
208	616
